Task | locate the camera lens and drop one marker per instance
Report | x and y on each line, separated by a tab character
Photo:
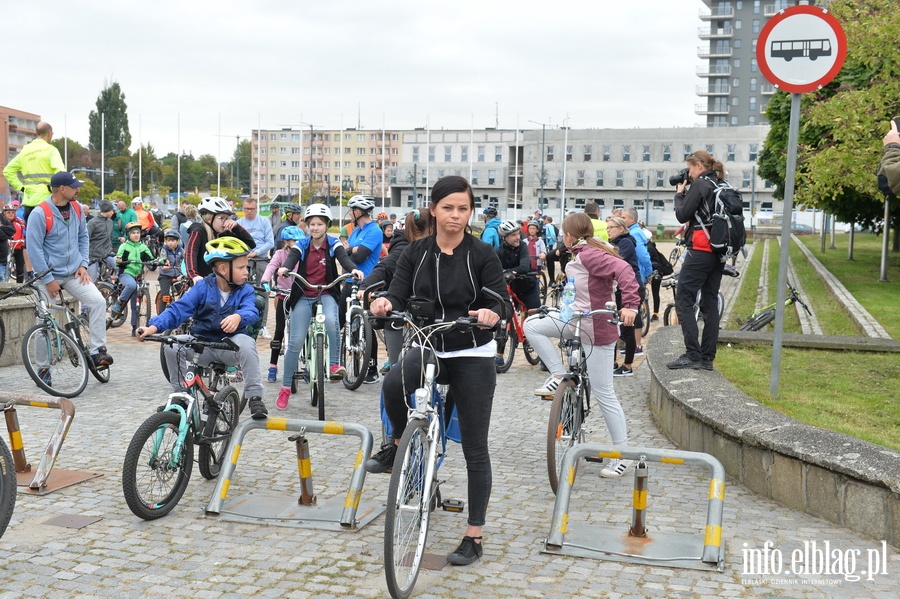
680	178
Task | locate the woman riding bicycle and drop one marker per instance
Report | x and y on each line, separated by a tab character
215	221
318	256
595	267
449	269
515	260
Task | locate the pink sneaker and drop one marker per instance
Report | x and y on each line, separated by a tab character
337	371
283	396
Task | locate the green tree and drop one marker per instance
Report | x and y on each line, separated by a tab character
111	104
89	190
240	166
117	196
73	153
841	125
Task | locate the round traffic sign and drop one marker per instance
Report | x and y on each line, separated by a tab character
801	48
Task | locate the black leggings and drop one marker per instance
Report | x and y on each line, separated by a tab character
472	382
278	337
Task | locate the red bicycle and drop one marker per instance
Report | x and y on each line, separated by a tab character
512	332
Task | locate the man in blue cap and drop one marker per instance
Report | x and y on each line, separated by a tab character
58	241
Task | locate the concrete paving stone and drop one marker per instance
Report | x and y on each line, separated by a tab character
187	554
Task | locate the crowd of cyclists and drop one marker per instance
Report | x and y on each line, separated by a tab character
430	253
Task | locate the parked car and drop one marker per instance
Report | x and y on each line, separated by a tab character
800	229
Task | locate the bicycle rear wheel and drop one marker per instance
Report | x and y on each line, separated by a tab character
564	429
7	486
408	502
674	255
152	481
544	287
54	361
220	422
356	345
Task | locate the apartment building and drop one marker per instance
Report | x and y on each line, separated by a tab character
559	169
18	129
732	90
329	160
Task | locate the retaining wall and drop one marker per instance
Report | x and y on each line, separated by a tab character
827	474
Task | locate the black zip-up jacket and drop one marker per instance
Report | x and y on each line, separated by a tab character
384	270
453	282
514	259
697	200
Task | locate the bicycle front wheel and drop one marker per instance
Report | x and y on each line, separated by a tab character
54	361
81	332
319	386
143	309
221	419
507	349
645	317
7	486
531	354
670	316
152	480
675	255
406	518
564	429
759	321
356	346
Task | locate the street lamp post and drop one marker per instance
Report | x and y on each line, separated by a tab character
543	176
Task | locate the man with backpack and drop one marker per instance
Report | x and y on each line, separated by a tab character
703	267
57	239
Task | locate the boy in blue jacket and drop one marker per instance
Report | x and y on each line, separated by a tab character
221	306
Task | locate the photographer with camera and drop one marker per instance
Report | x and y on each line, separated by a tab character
703	268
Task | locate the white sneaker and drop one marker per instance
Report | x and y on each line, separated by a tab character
549	386
615	468
264	332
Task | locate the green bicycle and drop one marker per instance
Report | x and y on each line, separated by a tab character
762	317
315	353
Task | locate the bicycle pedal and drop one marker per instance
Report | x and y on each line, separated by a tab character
453	505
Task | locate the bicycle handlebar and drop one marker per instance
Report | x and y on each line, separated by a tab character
320	288
191	341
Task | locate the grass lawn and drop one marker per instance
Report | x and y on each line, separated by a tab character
850	392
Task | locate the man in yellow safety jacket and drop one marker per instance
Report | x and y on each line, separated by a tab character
30	171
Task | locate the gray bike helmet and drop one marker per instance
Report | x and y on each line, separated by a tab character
361	203
507	227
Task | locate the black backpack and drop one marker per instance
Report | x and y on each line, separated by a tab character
725	228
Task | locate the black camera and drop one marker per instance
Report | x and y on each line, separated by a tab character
680	178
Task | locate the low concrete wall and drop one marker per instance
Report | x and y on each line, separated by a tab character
827	474
17	313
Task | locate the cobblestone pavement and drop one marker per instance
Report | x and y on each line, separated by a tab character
187	554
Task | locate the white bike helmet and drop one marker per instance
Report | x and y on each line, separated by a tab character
507	227
361	202
318	210
214	205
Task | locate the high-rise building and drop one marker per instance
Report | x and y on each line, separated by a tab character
732	89
323	162
18	129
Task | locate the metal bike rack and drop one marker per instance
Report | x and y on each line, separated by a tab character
308	511
42	482
637	545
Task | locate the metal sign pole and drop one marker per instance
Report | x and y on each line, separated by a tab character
793	133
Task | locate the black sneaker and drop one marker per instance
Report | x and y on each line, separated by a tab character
101	358
623	371
383	461
372	377
684	362
467	552
258	409
44	375
706	364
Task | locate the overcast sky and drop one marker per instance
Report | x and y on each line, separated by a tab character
395	63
